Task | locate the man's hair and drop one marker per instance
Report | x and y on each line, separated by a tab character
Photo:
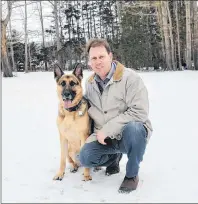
97	43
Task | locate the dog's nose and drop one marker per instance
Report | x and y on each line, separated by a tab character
67	93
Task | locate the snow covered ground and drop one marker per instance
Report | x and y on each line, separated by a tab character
168	173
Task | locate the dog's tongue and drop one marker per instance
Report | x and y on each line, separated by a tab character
67	103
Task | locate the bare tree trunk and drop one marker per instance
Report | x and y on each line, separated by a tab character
188	36
90	20
159	16
171	37
94	19
77	23
195	18
60	20
29	55
0	33
166	34
83	22
57	29
112	25
58	42
178	36
26	51
12	50
43	34
61	55
88	26
100	10
116	21
119	10
7	71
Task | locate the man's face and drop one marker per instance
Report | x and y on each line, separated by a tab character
100	61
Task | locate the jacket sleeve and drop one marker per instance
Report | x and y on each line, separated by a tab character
138	105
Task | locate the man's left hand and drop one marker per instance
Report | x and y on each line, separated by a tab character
101	137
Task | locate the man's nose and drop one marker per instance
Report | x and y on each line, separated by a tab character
98	61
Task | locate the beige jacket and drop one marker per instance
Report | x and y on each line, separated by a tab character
124	99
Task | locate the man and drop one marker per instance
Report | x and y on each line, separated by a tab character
119	109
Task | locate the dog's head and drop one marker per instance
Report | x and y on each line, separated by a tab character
69	87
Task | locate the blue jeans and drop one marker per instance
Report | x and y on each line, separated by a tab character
133	143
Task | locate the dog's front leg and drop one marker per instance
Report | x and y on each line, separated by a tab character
86	174
64	153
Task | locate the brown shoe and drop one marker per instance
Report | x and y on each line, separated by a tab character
129	184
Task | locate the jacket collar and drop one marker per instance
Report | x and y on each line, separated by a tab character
117	76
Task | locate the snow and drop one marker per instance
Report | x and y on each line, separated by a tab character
30	150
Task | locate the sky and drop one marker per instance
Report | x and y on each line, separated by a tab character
33	22
31	148
34	25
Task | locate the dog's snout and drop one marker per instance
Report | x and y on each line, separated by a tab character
67	93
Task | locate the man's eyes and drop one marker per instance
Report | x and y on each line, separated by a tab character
101	57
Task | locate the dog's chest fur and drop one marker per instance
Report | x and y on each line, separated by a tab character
74	127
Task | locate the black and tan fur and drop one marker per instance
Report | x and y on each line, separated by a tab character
73	126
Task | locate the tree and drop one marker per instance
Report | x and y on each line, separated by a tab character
171	37
26	39
7	71
166	34
188	35
58	41
1	31
178	34
195	34
11	46
43	34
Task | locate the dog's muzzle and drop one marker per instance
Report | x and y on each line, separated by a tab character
68	97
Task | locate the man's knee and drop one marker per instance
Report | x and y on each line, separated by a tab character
134	132
87	156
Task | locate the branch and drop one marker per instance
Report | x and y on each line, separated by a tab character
51	3
22	5
9	4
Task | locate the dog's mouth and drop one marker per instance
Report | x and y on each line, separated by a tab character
67	103
68	98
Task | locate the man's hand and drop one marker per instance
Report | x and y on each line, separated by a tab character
101	137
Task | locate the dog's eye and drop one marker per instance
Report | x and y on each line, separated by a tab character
63	83
72	83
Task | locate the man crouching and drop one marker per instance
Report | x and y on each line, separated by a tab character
119	109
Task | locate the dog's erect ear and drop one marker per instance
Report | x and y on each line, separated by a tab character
58	72
78	71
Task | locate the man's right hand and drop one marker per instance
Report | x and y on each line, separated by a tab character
101	137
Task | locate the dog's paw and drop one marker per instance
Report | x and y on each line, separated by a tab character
59	176
96	169
74	170
87	178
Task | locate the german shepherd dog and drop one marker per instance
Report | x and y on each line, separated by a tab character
73	120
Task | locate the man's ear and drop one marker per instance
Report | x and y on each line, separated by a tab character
78	71
58	72
111	55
